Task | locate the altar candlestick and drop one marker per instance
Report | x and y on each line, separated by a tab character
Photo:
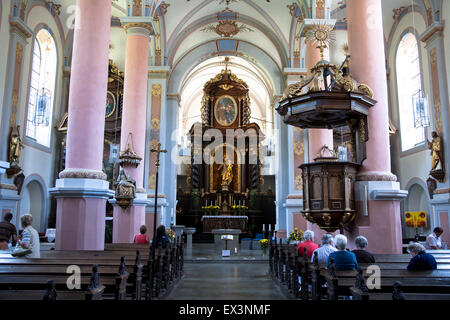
270	227
264	227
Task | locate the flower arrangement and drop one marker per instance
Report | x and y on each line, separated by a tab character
239	208
211	209
295	235
264	243
170	234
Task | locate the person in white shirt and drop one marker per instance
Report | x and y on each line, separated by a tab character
29	238
325	250
434	241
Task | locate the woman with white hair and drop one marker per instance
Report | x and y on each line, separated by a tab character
361	253
29	238
343	259
420	259
308	244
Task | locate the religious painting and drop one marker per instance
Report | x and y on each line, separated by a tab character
416	219
110	104
225	111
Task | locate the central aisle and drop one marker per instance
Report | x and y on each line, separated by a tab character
227	281
208	276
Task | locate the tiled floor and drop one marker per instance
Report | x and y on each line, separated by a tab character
208	276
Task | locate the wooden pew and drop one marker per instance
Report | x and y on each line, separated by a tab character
393	269
30	275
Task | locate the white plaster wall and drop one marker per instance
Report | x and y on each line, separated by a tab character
36	160
415	165
446	17
4	48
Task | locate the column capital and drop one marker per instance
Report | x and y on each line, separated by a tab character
138	26
20	28
158	72
308	23
435	29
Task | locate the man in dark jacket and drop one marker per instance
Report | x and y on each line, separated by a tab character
7	230
420	259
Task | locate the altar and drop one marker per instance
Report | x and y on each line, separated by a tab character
224	222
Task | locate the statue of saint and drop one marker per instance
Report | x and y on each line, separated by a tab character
125	186
435	147
227	173
15	144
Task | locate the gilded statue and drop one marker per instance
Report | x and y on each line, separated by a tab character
15	144
435	147
227	173
125	186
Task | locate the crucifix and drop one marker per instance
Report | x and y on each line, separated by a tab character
158	152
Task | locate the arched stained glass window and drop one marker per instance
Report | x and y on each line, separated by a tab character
42	88
409	86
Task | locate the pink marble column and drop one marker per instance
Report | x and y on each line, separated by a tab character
88	85
368	66
82	191
317	137
127	222
382	226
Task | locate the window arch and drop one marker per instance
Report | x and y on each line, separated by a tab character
409	86
42	88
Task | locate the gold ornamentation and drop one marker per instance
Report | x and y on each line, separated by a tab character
156	90
298	182
142	25
322	35
155	124
152	181
129	158
226	87
15	145
19	53
154	144
299	148
227	174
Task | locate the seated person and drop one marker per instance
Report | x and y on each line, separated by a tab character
343	259
141	238
325	250
362	255
308	244
420	259
434	241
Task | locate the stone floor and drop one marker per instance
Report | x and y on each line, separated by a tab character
208	276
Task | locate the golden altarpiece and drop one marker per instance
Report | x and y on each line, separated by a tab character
224	176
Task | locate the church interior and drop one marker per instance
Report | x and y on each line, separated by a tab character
227	122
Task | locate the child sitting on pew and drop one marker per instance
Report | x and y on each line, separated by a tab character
141	238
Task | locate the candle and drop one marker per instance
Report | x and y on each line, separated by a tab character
270	227
171	217
264	228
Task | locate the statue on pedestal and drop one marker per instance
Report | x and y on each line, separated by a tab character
435	147
125	189
437	157
15	144
227	174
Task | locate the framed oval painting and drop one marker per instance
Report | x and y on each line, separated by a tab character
225	111
110	104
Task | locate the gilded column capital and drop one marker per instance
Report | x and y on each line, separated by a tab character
139	28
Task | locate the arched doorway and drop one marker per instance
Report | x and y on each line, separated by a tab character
33	202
